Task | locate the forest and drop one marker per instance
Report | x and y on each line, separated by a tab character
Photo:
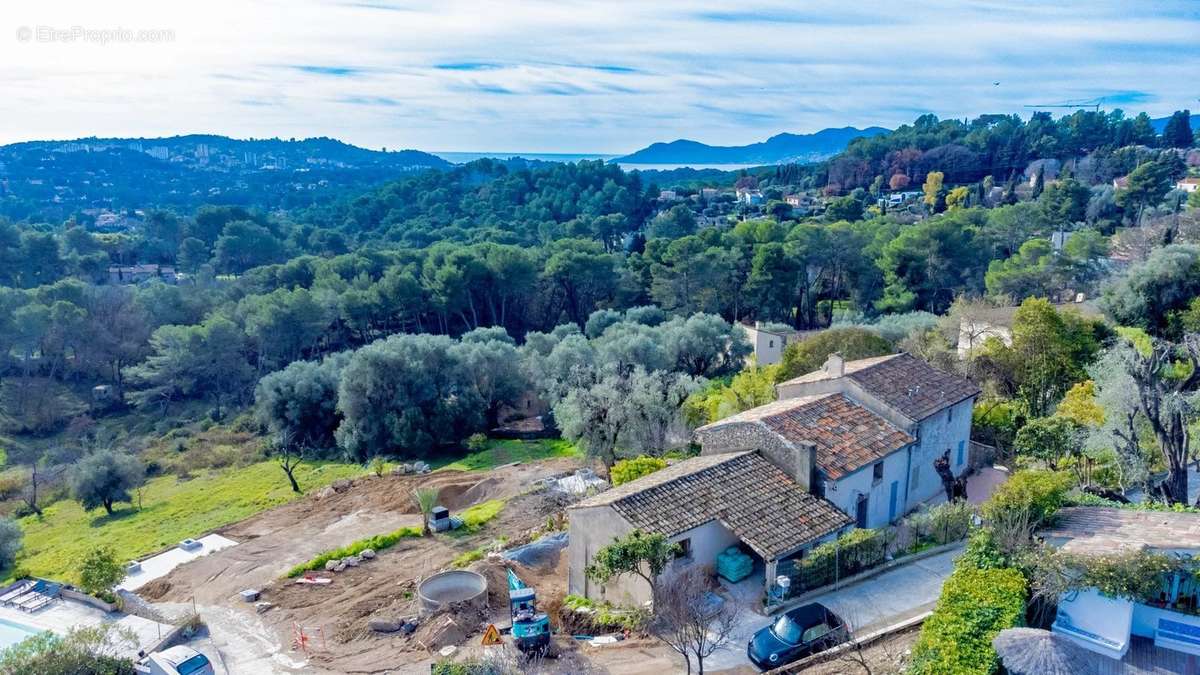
400	320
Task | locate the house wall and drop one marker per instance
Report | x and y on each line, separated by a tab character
798	463
948	429
845	491
767	347
589	530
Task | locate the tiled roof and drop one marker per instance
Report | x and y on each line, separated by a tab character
1097	530
747	494
911	386
847	435
820	374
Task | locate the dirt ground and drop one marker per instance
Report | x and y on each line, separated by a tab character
272	542
887	656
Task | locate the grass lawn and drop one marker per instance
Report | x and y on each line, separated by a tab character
172	511
501	452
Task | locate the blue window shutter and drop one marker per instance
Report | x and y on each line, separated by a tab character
961	447
892	502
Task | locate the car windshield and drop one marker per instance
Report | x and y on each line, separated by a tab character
787	630
195	664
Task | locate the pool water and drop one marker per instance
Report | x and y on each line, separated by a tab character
12	633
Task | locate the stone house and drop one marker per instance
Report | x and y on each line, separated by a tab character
850	445
704	504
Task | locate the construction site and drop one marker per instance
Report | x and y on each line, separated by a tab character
421	600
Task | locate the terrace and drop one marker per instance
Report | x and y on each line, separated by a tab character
1147	620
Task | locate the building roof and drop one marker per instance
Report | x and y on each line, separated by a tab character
1095	530
750	496
903	382
847	435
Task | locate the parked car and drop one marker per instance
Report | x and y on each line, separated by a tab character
796	634
181	660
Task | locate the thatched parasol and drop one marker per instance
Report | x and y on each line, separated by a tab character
1030	651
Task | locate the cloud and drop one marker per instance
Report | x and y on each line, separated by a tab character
579	76
335	71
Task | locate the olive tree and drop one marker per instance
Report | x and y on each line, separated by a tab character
104	478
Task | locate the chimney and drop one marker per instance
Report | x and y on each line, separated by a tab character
757	325
805	467
835	365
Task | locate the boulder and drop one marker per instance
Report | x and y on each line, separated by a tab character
340	567
385	625
331	565
352	561
326	492
340	485
261	607
367	554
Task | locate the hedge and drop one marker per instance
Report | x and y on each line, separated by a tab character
854	552
975	605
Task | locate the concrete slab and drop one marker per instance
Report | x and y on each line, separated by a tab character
63	615
161	565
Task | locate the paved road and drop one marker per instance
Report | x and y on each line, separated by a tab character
870	604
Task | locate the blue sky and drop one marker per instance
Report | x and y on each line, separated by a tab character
575	76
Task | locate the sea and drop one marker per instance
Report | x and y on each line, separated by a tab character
464	157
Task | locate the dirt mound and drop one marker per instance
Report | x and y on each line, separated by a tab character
156	589
451	627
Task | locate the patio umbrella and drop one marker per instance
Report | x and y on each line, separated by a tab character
1030	651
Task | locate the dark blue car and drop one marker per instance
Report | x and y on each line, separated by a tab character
796	634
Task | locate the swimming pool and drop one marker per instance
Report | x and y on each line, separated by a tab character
11	633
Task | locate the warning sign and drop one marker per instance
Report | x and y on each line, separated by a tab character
491	636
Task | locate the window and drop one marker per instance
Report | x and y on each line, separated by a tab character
877	473
815	633
961	451
771	344
950	414
916	478
683	550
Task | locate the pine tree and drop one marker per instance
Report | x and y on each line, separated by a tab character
1039	182
1178	132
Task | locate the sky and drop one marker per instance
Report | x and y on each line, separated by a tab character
572	75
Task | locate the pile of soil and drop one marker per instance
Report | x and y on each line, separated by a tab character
155	590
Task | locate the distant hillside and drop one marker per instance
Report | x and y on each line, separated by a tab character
1160	123
780	149
52	180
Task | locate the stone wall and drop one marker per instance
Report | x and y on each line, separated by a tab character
797	462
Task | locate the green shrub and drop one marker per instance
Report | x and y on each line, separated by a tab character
376	543
604	614
975	605
628	470
1039	492
854	552
981	552
477	442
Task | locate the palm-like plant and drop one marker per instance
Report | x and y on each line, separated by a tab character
425	498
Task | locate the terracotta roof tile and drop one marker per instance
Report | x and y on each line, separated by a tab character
912	386
847	435
747	494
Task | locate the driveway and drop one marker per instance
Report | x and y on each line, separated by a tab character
877	602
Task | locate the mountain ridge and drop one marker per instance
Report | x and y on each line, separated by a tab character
781	148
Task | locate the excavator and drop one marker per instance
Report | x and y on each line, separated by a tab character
530	628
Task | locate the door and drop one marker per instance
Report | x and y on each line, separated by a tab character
860	512
892	501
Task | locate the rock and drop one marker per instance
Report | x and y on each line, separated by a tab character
331	565
367	554
340	567
385	625
352	561
261	607
340	485
327	492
